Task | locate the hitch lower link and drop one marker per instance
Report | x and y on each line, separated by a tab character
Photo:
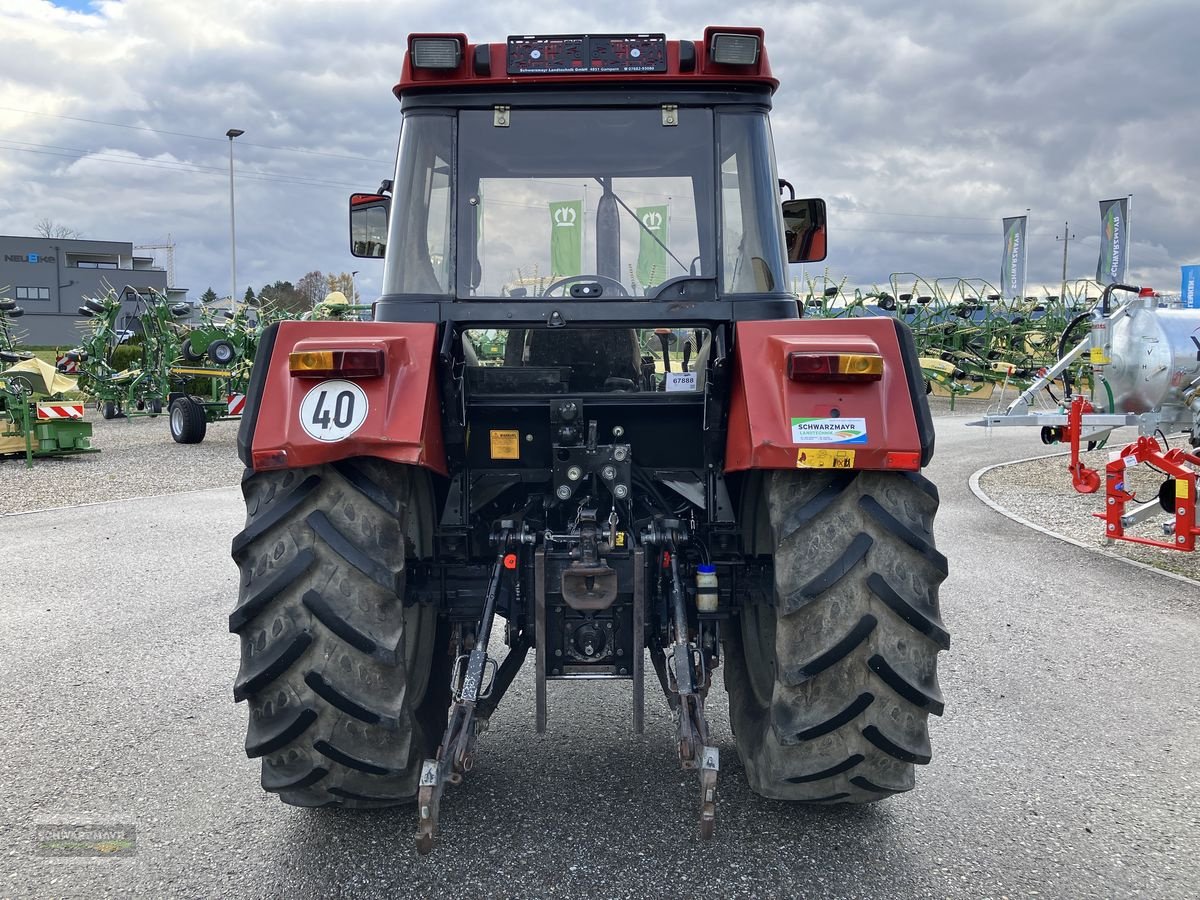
473	678
687	681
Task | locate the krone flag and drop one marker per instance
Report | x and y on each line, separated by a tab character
1114	241
652	255
1012	266
566	238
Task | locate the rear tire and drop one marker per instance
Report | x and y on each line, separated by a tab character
347	685
188	424
188	353
830	689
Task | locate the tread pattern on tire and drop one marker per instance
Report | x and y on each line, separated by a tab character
840	714
334	666
193	424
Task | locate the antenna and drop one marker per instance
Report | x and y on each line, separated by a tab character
1066	238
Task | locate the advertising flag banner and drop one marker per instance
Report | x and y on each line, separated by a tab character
652	256
1114	241
1012	266
566	238
1187	292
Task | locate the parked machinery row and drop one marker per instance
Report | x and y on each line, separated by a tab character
969	338
1142	359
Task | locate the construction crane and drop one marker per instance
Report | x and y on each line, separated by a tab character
169	246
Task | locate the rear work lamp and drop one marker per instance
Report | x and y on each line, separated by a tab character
733	49
336	363
848	367
436	53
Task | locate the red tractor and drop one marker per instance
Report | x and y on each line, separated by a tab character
665	462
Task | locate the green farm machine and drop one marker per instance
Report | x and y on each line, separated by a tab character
37	419
230	346
140	389
9	337
225	337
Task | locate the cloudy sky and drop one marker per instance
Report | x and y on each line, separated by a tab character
921	123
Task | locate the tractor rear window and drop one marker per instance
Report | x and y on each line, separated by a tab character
606	195
585	360
531	202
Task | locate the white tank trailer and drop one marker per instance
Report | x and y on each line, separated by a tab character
1145	362
1156	363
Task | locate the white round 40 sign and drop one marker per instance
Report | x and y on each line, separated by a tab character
333	410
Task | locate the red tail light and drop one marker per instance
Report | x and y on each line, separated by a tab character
269	459
336	363
848	367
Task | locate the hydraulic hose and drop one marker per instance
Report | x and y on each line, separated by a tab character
1063	348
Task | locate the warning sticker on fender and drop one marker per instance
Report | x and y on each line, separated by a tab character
333	410
818	458
829	431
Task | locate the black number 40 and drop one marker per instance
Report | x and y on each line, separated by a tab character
342	413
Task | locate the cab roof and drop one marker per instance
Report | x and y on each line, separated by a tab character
730	56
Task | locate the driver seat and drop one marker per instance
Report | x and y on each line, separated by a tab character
594	354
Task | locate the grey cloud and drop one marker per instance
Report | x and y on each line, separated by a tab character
954	114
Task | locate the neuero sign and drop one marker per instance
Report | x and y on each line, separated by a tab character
28	258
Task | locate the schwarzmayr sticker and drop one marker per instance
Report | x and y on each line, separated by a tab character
839	432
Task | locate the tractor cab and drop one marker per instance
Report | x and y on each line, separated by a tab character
597	211
612	169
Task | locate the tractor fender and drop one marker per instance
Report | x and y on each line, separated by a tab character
402	421
779	423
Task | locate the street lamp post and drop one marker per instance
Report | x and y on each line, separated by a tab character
231	134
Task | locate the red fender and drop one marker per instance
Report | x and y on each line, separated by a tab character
402	421
778	423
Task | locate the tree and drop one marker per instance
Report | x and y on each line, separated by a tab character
249	298
343	282
48	228
285	296
312	288
209	296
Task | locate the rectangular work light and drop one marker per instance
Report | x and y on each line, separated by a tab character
733	49
436	52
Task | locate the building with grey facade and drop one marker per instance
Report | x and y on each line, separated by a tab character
50	278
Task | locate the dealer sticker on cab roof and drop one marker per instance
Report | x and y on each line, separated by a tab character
838	432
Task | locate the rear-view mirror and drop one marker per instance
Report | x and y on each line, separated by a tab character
804	230
369	224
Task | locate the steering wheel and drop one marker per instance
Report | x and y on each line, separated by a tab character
19	384
573	279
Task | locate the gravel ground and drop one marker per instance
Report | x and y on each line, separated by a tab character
1040	491
137	458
